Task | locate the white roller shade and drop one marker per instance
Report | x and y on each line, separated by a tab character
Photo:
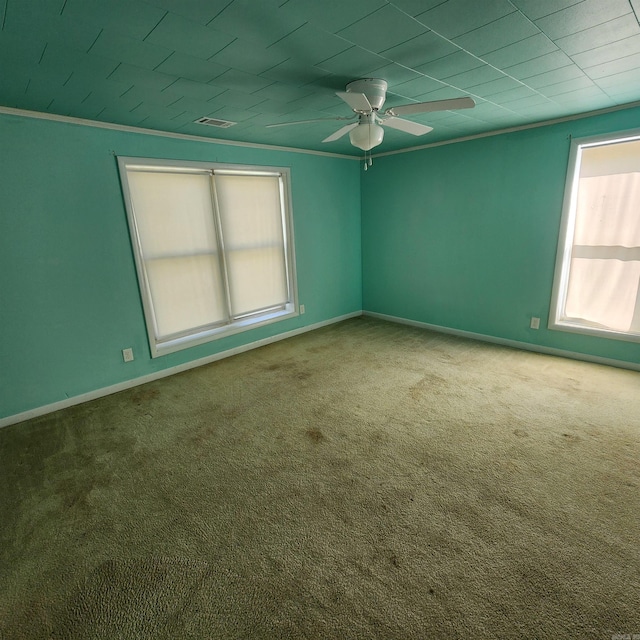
176	232
251	218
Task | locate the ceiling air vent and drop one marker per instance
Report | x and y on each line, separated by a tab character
214	122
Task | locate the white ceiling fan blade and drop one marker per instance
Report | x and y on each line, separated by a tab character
414	128
341	132
357	101
427	107
287	124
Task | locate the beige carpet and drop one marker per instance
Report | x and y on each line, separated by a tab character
366	480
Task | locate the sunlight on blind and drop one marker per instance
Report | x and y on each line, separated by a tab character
604	276
251	216
178	241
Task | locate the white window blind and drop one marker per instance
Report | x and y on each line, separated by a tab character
598	278
213	249
253	242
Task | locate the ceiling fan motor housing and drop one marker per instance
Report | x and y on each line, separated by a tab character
374	88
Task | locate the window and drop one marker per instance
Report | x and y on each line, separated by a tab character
597	281
213	248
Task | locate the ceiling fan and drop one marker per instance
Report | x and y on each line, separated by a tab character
366	97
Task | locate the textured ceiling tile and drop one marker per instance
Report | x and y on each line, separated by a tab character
628	63
535	9
319	102
513	94
420	50
176	33
631	77
417	87
489	112
17	78
396	74
110	44
382	29
354	63
263	23
529	101
185	66
46	8
244	56
202	11
22	17
600	35
451	65
193	90
498	86
455	17
581	94
104	92
45	82
131	75
508	30
542	112
416	7
276	107
548	62
58	58
522	51
297	74
130	17
310	44
241	81
232	113
475	77
190	105
283	61
623	95
444	93
282	92
36	99
564	74
332	15
567	86
579	17
608	52
153	97
17	50
236	100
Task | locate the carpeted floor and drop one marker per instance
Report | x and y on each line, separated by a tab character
366	480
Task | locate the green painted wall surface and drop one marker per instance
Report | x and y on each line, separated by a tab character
465	235
69	298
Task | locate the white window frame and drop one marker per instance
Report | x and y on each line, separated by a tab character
201	335
557	319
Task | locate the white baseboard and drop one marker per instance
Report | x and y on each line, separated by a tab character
526	346
128	384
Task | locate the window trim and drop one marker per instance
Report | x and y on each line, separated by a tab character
565	239
208	333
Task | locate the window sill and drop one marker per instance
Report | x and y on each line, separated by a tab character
585	330
185	342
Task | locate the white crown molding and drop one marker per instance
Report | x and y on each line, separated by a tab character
39	115
524	127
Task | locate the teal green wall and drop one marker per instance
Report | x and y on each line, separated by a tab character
464	236
69	299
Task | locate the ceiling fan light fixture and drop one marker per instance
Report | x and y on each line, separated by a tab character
366	136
